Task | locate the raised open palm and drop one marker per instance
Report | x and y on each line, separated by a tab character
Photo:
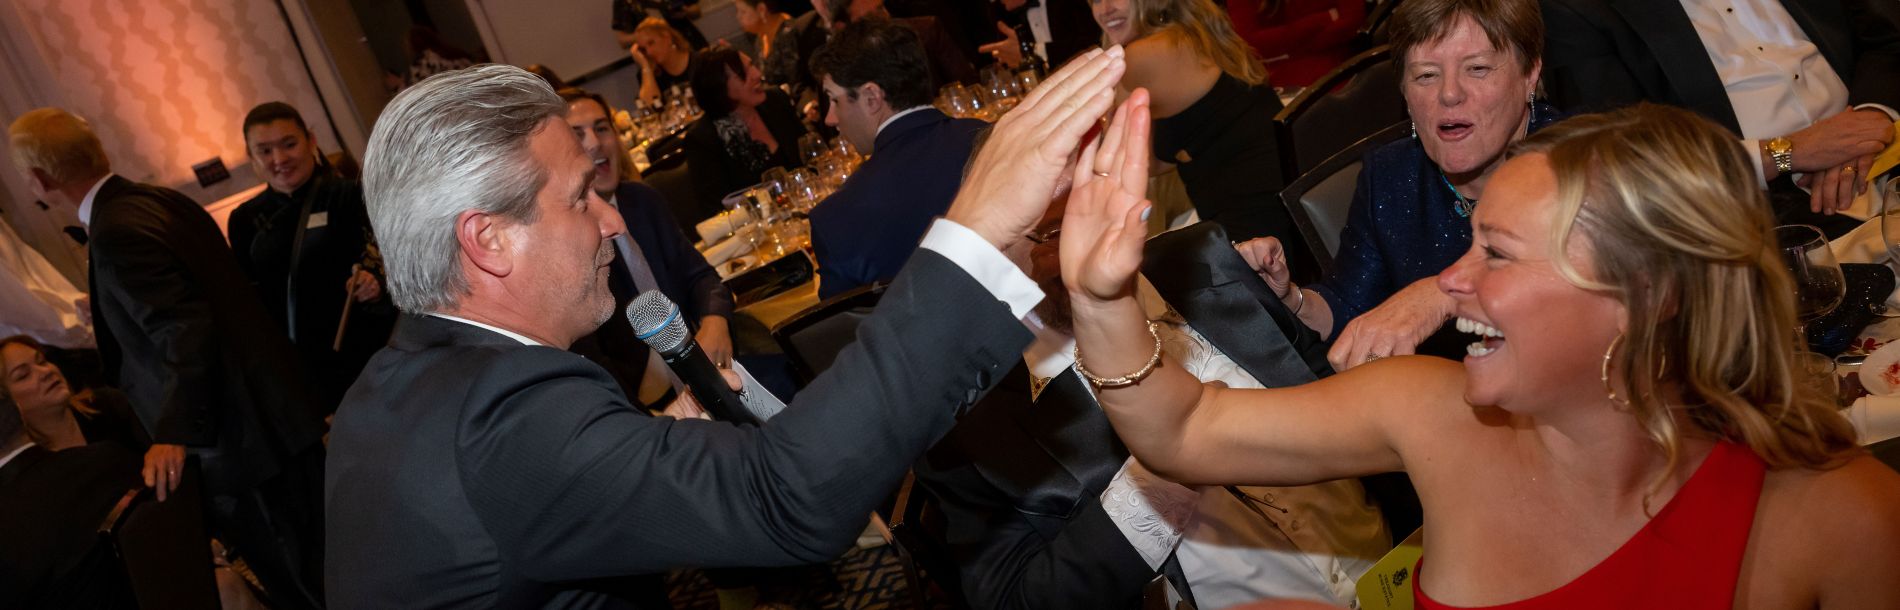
1104	226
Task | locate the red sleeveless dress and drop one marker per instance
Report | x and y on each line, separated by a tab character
1688	556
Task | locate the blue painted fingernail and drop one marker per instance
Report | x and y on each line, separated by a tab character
1145	213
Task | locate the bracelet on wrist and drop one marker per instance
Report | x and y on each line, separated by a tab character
1125	380
1300	304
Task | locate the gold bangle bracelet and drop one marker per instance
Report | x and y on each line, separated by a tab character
1125	380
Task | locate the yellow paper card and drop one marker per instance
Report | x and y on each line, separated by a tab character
1887	158
1388	585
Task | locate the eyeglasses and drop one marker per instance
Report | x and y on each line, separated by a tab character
1045	236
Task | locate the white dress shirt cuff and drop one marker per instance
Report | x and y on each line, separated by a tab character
1891	115
985	263
1753	147
1150	511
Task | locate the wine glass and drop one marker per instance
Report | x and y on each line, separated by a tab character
1887	200
737	202
1818	283
775	184
811	146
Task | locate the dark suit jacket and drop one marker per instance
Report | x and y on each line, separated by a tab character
1019	482
864	232
1601	54
184	334
263	231
51	505
682	273
716	173
470	470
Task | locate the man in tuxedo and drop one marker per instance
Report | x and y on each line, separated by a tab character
483	465
184	335
879	86
1056	29
51	504
1810	85
1044	507
653	254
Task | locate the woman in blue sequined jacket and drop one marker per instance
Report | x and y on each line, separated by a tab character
1469	71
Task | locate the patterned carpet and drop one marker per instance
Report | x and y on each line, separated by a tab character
863	579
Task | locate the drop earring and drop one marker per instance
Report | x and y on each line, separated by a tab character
1415	130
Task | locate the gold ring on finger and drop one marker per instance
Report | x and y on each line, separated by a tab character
1099	173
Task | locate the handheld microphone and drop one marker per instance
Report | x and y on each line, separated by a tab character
657	322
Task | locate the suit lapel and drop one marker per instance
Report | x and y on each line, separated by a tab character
1676	47
1197	272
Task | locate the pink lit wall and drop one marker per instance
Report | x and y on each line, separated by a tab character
166	83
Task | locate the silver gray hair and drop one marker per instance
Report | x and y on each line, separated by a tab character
456	141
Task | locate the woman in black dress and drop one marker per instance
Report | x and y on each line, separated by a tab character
56	417
748	128
1213	112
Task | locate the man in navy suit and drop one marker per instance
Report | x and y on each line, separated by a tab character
653	254
878	81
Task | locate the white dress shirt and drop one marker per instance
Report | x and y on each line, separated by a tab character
1777	80
85	205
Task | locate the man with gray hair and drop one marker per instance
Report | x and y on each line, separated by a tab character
477	464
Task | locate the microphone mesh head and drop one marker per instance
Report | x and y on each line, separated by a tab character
656	320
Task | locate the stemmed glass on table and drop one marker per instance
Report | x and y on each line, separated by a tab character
1887	201
1819	287
1818	283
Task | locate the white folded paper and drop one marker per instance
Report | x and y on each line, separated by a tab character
726	223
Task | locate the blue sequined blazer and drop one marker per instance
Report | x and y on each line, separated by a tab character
1402	227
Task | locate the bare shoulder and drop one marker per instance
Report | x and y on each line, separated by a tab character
1829	536
1860	499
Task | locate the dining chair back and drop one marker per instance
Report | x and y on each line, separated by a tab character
162	545
1320	199
813	338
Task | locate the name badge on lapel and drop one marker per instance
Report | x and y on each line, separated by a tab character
318	220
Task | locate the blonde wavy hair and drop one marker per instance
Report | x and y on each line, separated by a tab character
1205	28
1682	234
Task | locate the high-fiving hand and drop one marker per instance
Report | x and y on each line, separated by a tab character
1011	181
1104	227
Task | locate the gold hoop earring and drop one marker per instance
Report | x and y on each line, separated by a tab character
1605	371
1662	368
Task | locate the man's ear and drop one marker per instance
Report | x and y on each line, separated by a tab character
484	240
870	91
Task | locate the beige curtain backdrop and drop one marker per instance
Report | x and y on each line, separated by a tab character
166	83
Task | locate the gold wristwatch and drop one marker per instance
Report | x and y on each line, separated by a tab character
1781	151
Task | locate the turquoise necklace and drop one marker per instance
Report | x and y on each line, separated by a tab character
1460	204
